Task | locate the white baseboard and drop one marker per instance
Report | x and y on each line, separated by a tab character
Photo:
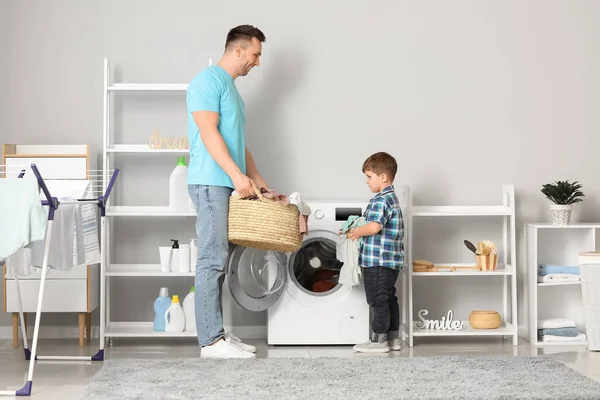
72	332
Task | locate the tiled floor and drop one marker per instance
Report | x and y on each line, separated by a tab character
68	379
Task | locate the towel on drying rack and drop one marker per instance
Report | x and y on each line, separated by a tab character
22	218
66	226
75	228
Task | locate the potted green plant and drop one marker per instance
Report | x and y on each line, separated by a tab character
563	195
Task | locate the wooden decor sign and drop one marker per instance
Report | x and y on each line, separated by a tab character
156	142
446	323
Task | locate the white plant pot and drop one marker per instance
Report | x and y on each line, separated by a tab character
561	214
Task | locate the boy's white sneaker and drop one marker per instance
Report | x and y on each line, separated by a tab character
225	349
238	341
395	344
394	340
372	347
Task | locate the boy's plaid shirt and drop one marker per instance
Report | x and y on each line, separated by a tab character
385	249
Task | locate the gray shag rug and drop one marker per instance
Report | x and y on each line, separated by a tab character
340	378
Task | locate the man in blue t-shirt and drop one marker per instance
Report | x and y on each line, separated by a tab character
219	163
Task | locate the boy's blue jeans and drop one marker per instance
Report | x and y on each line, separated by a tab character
212	209
380	288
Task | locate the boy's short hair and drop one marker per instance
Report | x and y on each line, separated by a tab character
381	163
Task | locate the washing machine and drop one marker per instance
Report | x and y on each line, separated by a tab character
305	303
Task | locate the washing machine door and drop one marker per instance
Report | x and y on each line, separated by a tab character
256	278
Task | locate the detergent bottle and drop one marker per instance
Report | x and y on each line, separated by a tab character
161	305
189	310
178	190
174	317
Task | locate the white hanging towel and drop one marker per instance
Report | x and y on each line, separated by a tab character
22	217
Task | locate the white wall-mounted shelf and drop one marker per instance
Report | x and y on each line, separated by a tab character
146	211
501	270
504	330
153	87
142	270
142	148
505	272
142	330
460	211
546	243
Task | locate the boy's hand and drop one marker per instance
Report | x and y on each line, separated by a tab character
352	234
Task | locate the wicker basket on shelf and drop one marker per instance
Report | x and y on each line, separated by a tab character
263	224
485	319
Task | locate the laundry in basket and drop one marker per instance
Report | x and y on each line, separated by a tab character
267	221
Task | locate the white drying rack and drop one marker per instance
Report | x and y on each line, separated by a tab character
102	184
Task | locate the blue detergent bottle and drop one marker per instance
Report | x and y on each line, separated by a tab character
161	305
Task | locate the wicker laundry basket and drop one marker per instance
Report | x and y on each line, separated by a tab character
264	224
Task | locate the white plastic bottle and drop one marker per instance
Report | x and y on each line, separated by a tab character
184	258
179	196
193	255
174	316
189	310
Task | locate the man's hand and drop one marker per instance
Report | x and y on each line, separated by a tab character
243	185
260	183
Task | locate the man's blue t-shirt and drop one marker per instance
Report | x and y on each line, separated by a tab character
213	89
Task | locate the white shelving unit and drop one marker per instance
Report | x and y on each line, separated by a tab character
506	268
558	245
110	329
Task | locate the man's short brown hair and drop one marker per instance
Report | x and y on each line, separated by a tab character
244	33
380	163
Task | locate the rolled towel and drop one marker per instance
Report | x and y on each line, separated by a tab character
566	332
547	269
556	323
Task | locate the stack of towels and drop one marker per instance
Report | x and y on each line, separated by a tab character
559	330
548	273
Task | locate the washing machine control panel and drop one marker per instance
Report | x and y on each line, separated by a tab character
334	213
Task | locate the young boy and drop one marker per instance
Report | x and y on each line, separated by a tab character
381	255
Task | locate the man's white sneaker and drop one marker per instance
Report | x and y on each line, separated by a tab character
224	349
238	341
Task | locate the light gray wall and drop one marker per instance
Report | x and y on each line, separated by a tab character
467	95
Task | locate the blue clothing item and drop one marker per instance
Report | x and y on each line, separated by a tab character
213	89
547	269
384	249
212	208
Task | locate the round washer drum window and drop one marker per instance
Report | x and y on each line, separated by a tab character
315	268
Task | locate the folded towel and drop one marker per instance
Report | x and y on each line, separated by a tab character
556	323
547	269
567	332
551	338
22	217
557	278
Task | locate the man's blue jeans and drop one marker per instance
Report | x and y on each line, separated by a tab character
212	208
